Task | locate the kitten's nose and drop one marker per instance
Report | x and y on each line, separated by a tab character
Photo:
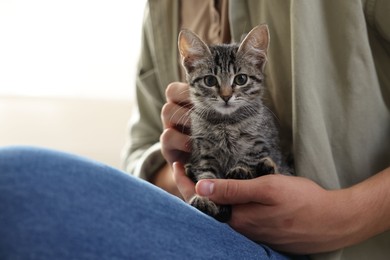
226	98
225	92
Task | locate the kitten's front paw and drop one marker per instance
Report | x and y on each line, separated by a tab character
189	172
221	213
239	173
266	166
196	174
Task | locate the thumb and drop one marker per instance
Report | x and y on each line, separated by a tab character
228	191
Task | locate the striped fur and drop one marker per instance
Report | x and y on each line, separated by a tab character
233	133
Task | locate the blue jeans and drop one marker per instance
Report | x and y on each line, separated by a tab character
55	205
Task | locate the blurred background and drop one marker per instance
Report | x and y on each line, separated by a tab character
67	73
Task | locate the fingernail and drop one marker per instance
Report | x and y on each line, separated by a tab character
205	188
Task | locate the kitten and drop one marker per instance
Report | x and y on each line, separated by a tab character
233	133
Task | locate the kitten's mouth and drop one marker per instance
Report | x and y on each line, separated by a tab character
226	108
225	104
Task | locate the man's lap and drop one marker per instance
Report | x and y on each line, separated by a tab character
57	205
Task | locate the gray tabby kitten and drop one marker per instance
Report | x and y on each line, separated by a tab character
233	133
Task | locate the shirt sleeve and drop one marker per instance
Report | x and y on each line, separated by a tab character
142	154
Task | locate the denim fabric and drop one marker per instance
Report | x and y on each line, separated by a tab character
55	205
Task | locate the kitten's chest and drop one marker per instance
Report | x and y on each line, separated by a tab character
225	140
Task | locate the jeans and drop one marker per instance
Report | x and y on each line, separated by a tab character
55	205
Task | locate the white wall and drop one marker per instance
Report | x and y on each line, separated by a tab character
94	128
67	73
69	48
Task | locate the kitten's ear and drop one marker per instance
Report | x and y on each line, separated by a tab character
255	45
192	49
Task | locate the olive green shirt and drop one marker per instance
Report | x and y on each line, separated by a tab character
329	78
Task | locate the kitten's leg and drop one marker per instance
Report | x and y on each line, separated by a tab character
199	173
246	171
266	166
189	172
221	213
240	172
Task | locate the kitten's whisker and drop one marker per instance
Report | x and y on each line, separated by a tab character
186	121
185	118
174	114
274	115
184	91
184	103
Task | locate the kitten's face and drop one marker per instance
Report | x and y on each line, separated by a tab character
224	83
225	78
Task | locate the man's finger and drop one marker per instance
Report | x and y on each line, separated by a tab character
174	144
224	191
178	92
173	115
230	191
184	184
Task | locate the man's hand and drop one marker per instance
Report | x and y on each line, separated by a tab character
175	141
175	118
185	185
294	214
164	179
288	213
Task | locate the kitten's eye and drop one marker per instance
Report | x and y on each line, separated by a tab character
210	81
240	79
